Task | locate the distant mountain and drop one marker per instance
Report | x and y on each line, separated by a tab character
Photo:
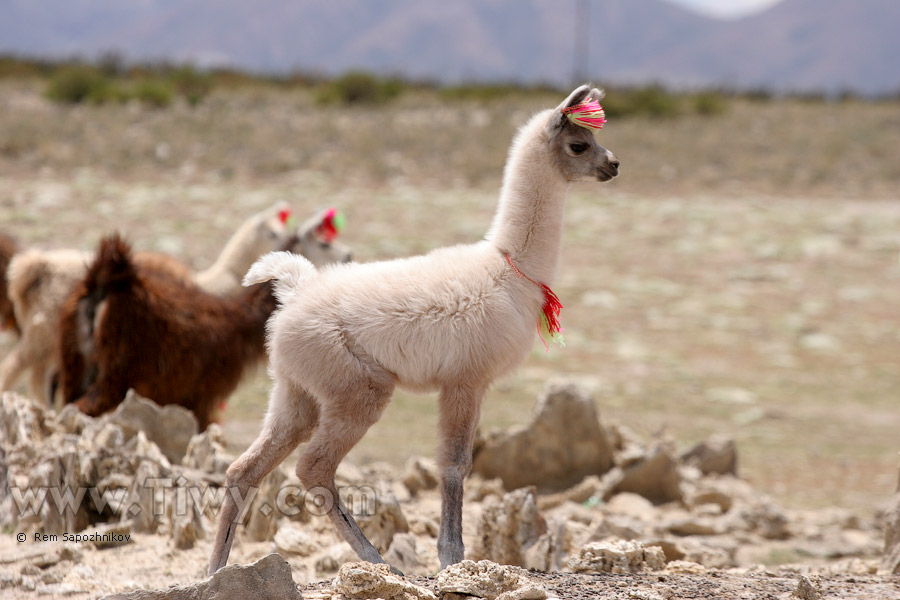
827	45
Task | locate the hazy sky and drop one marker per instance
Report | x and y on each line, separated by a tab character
727	8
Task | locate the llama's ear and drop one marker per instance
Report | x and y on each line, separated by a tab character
558	118
308	228
278	218
324	226
577	96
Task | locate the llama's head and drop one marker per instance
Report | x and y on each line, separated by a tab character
316	240
268	230
578	155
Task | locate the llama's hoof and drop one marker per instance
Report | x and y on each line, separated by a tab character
396	571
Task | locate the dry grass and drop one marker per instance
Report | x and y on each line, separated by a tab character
740	276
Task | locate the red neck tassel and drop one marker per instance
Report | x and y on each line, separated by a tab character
549	321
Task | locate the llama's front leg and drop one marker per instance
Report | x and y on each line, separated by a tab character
459	409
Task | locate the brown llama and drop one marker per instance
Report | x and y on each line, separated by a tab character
7	314
134	325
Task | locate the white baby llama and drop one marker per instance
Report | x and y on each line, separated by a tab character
452	321
40	281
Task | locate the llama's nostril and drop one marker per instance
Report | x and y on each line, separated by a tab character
614	163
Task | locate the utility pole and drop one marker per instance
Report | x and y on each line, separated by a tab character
582	39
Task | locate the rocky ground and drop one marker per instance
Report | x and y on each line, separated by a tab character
606	514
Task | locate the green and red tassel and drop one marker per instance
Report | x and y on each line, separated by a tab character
331	225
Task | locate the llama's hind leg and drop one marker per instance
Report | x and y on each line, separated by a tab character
39	384
342	424
459	408
11	368
291	418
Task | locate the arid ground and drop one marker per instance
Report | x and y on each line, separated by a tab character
740	276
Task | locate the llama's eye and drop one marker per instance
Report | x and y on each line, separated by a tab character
578	147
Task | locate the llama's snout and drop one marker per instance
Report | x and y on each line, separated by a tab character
609	168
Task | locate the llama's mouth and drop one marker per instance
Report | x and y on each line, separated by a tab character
606	174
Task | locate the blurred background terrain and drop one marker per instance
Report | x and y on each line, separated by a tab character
739	277
792	45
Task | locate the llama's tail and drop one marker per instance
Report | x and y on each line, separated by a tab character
112	268
289	269
111	271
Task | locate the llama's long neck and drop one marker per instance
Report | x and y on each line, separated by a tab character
234	260
529	220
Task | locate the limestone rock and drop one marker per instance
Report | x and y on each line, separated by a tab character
382	519
550	550
22	421
331	558
726	491
760	516
263	511
587	490
486	579
808	589
368	580
206	451
684	524
403	554
478	488
717	454
890	560
693	550
508	527
269	578
618	557
420	474
293	539
185	528
652	474
632	505
71	420
619	526
563	443
169	427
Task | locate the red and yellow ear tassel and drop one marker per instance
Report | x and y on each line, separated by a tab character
331	225
588	114
286	217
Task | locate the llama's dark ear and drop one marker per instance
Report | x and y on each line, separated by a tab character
558	118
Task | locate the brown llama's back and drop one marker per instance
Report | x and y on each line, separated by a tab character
132	325
7	316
